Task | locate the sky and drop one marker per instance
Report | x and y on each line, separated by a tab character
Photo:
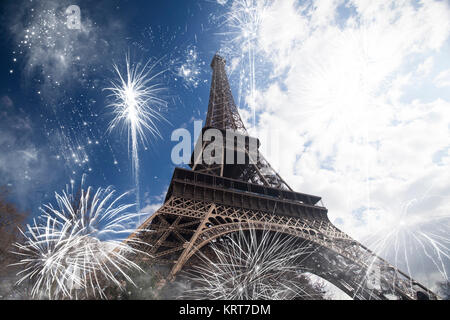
350	100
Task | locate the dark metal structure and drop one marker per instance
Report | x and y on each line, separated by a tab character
213	200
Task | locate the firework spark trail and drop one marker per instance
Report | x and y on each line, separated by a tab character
250	266
405	242
409	234
137	106
244	20
77	247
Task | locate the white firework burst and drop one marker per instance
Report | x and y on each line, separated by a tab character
405	236
77	247
137	106
190	70
252	265
243	21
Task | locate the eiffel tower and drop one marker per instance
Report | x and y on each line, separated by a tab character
213	200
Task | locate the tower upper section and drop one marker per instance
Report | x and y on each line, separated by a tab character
224	116
222	111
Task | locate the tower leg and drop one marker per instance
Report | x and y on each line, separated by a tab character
185	254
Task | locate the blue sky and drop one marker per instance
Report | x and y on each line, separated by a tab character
351	98
166	30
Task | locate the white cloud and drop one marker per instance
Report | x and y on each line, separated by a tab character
349	129
443	79
426	67
152	204
151	208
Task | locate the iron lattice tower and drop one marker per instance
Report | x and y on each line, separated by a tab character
211	201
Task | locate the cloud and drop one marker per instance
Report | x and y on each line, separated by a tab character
6	102
55	56
25	165
443	79
352	126
426	67
152	204
151	208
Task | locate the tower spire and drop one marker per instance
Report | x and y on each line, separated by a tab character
222	110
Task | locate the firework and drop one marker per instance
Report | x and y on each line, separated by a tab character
191	69
408	235
137	106
244	20
77	247
249	265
